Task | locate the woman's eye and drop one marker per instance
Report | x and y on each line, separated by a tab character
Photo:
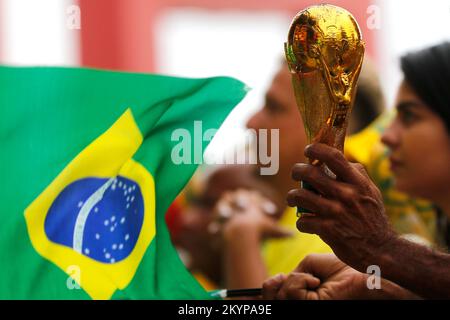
407	117
273	107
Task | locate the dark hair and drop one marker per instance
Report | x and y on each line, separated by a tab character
428	72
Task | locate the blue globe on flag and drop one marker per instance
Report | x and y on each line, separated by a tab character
100	218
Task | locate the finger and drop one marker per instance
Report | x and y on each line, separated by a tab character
367	180
313	202
256	195
241	199
272	285
320	265
311	224
361	169
232	202
265	204
269	207
224	210
298	286
335	161
320	181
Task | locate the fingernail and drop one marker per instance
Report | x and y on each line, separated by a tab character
224	211
269	207
241	202
307	148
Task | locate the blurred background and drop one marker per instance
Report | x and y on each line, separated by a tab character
203	38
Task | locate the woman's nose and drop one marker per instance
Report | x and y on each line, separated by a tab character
391	136
254	121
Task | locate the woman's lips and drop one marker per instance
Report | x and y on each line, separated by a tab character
394	164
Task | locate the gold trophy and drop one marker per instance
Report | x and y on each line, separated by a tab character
324	52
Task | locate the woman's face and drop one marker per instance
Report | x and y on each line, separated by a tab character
419	146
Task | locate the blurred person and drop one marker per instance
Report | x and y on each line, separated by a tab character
244	233
197	234
251	256
280	112
349	214
369	99
241	254
244	263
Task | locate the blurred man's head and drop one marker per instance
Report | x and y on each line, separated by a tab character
280	112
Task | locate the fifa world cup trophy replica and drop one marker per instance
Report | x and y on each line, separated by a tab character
324	52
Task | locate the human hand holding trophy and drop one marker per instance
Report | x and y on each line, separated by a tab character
324	52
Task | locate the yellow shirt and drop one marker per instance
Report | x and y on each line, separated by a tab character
283	255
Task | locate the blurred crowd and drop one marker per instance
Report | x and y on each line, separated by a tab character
387	207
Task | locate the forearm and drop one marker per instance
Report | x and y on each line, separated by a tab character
390	290
244	266
417	268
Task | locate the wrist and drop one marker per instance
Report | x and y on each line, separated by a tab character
381	252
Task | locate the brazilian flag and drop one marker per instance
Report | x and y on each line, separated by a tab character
87	176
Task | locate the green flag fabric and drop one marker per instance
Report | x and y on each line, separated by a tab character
87	176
